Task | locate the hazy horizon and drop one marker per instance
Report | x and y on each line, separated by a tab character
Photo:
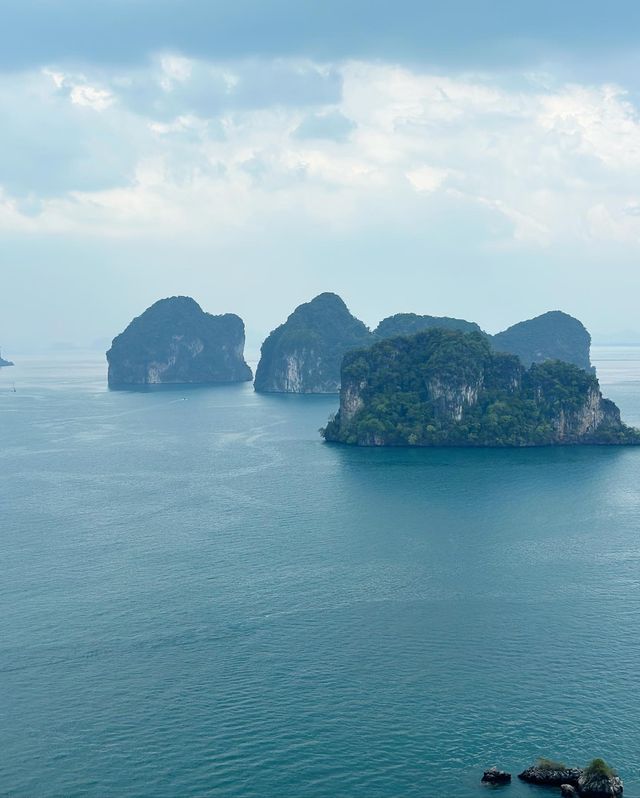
255	337
478	161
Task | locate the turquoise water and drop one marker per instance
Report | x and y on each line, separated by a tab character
199	597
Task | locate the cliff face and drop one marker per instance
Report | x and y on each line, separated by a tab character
552	336
175	341
304	354
410	323
446	388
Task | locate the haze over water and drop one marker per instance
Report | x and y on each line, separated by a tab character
199	597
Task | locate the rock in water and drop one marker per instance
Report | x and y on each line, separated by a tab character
552	336
410	323
495	776
447	388
568	791
175	341
600	787
5	363
551	776
598	780
304	354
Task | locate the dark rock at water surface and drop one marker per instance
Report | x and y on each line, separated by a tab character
550	776
495	776
598	780
176	342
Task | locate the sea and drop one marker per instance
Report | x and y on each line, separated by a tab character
198	597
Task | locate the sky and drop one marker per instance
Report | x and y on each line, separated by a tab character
468	158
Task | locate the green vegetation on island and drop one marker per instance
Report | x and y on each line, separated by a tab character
552	336
410	323
304	354
448	388
543	763
175	342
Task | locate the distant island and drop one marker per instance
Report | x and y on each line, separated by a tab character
410	323
4	362
304	354
553	336
449	388
175	342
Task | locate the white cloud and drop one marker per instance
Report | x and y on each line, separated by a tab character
426	178
205	150
176	68
89	96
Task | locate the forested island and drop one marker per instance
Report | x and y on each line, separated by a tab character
552	336
304	354
450	388
410	323
175	342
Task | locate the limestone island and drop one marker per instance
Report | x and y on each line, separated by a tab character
304	354
449	388
553	336
176	342
410	323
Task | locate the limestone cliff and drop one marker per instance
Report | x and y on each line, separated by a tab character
304	354
447	388
552	336
174	342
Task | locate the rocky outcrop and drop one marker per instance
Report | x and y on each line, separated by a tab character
445	388
411	323
176	342
602	787
304	354
598	780
553	336
495	776
545	776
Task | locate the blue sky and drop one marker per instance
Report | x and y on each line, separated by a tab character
463	158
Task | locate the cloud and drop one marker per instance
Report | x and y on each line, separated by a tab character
186	145
331	125
426	178
173	86
57	136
